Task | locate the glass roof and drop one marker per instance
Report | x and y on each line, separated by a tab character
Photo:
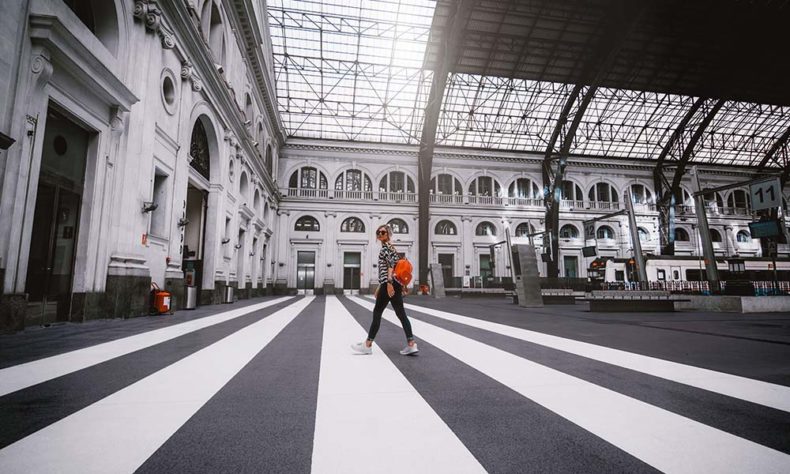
353	70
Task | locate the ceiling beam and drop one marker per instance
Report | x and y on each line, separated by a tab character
449	51
617	24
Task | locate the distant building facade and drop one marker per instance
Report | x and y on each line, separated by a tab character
326	186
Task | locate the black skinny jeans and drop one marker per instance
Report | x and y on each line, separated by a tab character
397	304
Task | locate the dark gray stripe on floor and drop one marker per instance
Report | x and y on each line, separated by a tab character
39	342
699	339
263	420
29	410
763	425
505	431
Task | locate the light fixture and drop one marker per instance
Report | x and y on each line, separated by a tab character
149	206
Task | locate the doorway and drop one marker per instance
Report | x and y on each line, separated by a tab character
570	266
352	265
194	237
305	273
486	272
447	261
53	241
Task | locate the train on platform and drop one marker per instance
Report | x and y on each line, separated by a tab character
683	273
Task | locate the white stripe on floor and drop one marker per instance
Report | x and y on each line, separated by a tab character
666	441
755	391
370	418
121	431
38	371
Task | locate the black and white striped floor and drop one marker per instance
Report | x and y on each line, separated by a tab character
272	386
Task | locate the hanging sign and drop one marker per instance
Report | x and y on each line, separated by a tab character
765	194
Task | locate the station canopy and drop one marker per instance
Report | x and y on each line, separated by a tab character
361	70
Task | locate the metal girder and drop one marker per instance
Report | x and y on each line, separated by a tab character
617	25
456	25
779	154
552	181
665	200
666	190
688	152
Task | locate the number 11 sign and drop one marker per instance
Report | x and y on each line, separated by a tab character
765	194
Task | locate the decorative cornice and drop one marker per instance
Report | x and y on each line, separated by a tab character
212	83
245	22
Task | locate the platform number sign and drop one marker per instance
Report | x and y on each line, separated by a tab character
765	194
589	231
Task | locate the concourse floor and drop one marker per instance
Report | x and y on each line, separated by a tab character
271	385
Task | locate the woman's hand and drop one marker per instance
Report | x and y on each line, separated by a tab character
376	292
390	290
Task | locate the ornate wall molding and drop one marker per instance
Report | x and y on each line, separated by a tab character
188	73
148	12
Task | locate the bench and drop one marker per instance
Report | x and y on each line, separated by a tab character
631	301
558	296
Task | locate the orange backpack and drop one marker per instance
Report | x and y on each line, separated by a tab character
402	272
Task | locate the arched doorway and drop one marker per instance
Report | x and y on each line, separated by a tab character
194	220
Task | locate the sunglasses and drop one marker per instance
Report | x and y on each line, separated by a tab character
381	232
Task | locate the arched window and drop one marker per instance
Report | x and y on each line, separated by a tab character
485	186
571	191
353	180
352	224
681	235
398	226
715	235
738	199
641	195
683	198
307	224
743	237
307	178
603	192
713	202
269	164
396	182
524	229
485	228
99	16
523	188
213	31
198	150
256	201
569	231
243	186
445	228
644	234
605	232
248	111
446	184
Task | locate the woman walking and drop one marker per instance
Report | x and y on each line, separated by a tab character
389	290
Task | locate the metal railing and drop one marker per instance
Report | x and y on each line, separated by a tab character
496	201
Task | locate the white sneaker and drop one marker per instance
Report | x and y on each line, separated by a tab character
361	349
410	350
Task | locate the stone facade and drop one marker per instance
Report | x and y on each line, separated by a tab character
139	79
469	211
